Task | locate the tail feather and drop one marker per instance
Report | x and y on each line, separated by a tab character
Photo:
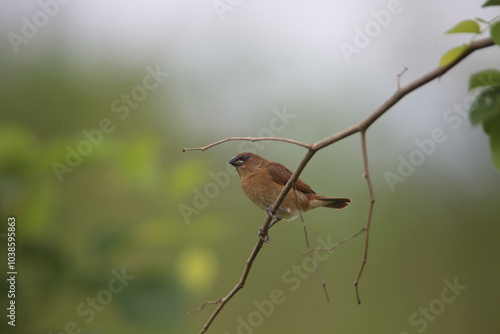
332	202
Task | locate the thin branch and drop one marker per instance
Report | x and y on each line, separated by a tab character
259	244
338	243
400	75
313	260
361	127
399	94
240	284
215	302
370	211
252	139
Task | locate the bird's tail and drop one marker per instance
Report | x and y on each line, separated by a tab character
331	202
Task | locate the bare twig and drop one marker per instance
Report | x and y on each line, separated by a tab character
366	228
241	283
400	75
361	127
306	237
370	211
338	243
215	302
252	139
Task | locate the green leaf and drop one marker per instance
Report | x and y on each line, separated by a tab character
491	3
489	77
452	55
486	105
495	33
467	26
492	129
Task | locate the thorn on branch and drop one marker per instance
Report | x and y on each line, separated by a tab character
214	302
400	75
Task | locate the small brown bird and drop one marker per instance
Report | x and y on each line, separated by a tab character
262	181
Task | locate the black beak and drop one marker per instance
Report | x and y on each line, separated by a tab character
236	162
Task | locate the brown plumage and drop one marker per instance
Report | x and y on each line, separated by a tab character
262	181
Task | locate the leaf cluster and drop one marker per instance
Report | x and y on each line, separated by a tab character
485	109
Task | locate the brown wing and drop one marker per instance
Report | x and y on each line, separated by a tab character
281	175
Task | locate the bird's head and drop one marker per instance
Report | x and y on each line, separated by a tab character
247	162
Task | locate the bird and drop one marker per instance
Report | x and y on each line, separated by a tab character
263	180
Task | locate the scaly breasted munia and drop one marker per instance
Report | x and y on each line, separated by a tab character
263	180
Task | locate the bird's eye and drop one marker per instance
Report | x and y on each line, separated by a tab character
246	157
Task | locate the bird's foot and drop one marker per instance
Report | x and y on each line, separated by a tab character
274	219
275	216
264	238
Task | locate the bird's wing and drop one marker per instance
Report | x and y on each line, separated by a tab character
281	175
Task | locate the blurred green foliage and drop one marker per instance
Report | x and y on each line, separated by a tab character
119	210
486	106
115	209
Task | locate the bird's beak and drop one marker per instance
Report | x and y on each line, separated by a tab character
236	162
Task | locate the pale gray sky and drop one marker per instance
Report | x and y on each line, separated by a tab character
240	59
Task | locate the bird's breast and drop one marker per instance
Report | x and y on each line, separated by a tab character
263	192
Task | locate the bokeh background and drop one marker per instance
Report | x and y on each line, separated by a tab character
178	224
